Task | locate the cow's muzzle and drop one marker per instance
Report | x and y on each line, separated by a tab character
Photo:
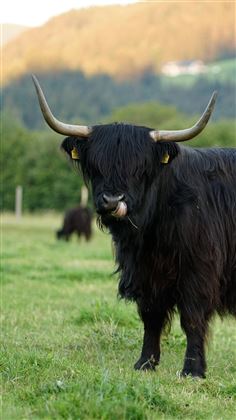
114	205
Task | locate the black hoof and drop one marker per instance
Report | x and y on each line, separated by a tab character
193	374
146	364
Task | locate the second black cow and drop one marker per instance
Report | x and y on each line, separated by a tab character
78	220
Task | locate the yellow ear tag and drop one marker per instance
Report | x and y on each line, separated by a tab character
165	158
75	154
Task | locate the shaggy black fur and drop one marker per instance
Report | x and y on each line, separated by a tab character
176	248
78	220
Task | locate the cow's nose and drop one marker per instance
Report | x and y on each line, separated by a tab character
110	202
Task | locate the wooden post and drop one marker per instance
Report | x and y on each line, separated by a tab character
18	202
84	196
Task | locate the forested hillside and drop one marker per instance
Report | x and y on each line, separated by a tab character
124	41
75	97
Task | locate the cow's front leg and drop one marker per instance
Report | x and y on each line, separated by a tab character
194	362
153	325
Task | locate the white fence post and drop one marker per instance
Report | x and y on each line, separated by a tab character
84	196
18	202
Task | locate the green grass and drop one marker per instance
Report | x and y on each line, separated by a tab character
68	343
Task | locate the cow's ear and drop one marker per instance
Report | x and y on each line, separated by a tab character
71	146
167	152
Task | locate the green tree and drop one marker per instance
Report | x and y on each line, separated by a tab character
35	161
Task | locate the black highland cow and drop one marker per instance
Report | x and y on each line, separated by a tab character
171	211
78	220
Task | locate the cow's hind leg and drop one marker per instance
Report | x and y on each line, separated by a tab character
196	331
154	323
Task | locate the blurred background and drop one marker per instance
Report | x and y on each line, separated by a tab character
149	63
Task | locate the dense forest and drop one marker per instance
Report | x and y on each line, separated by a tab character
91	61
75	97
124	41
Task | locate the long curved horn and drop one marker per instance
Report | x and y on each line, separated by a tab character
54	123
188	133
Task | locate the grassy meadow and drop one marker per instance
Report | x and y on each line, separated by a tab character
69	345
